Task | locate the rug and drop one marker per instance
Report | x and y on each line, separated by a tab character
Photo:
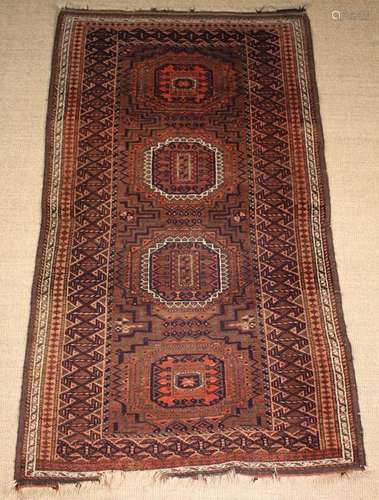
186	314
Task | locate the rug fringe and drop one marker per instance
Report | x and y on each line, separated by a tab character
230	476
146	481
259	10
271	8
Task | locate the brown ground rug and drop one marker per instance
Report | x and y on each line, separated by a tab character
185	312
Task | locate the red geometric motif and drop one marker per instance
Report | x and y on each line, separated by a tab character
187	380
194	85
183	83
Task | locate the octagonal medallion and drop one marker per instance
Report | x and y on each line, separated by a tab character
184	272
183	168
180	82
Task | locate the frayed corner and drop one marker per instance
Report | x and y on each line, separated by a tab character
161	477
275	475
17	487
345	475
272	9
69	6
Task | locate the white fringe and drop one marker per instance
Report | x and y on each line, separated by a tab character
158	485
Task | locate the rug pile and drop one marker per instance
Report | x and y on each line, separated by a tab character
185	312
